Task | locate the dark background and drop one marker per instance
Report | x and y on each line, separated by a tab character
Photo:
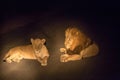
21	20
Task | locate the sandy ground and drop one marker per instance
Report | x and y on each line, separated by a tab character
19	29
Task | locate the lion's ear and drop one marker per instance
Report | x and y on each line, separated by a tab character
43	41
31	40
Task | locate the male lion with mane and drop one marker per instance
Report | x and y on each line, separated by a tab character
36	51
77	46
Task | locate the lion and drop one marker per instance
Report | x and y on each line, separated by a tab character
35	51
77	46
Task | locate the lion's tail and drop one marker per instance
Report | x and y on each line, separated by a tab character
6	56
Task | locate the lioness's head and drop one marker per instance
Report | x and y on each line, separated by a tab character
37	44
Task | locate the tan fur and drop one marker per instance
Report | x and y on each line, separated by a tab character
74	38
36	51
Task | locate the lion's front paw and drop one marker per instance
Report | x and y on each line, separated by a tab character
64	58
63	50
43	64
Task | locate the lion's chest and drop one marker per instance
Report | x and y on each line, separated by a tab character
43	52
75	51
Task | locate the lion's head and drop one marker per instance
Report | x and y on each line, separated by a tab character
74	37
37	44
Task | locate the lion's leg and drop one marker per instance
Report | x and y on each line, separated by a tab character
44	61
17	58
66	57
8	60
90	51
74	57
63	50
39	59
14	59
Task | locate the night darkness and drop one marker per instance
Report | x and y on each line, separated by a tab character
22	20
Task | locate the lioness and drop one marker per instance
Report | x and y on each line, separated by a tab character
36	51
77	46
